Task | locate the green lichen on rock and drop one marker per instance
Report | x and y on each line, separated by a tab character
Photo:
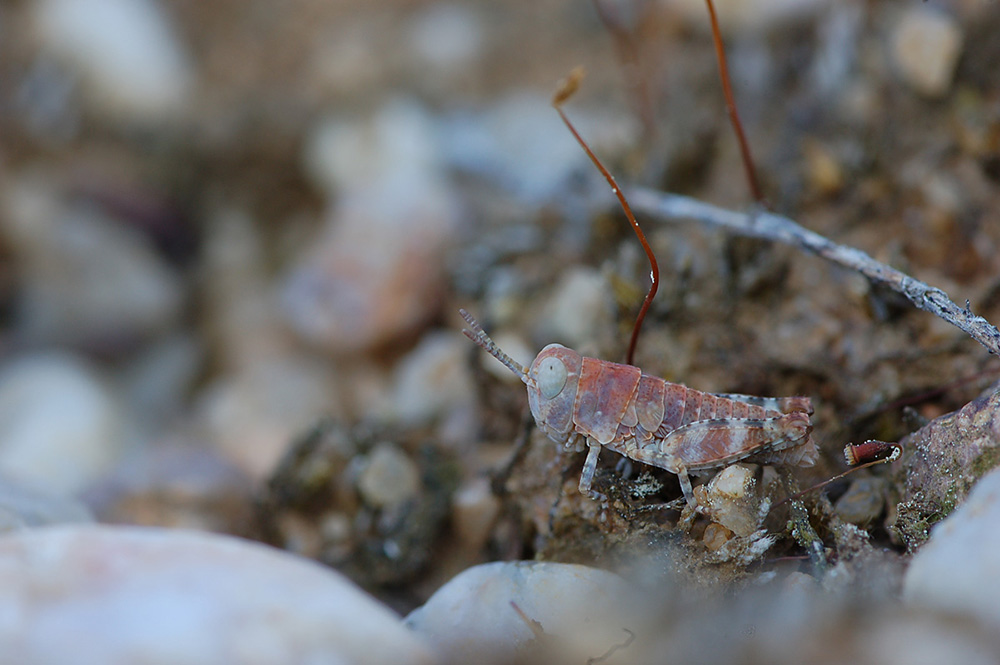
941	462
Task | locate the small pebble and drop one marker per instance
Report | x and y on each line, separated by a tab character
389	477
432	380
86	278
446	37
126	52
376	270
252	415
474	510
732	501
862	502
941	462
580	305
61	428
826	175
345	154
520	145
100	595
926	45
716	536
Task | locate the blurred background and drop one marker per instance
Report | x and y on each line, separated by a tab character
231	230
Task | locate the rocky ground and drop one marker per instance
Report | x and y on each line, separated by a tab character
234	239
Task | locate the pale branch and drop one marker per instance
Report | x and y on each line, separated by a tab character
768	226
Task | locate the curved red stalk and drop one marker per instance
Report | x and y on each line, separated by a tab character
734	116
565	90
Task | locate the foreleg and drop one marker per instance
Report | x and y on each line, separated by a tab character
589	466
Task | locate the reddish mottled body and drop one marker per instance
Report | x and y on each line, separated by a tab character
576	400
665	424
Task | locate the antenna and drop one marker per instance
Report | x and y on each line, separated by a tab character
479	336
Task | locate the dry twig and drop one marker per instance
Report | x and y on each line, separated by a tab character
766	225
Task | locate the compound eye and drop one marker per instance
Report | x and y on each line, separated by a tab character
551	377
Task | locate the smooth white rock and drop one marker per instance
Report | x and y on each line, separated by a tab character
126	52
101	595
253	415
581	303
432	380
520	144
926	45
446	37
60	426
471	619
344	154
958	570
732	500
389	477
474	511
243	320
376	270
84	276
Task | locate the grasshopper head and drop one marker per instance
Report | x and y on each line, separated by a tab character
552	380
552	384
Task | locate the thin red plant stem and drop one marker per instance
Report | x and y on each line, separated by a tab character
734	116
628	56
654	272
829	480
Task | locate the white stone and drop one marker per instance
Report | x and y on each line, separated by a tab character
242	316
126	53
957	570
347	154
731	499
432	380
520	144
908	639
60	426
85	277
253	415
580	305
926	44
389	477
99	595
472	618
446	37
376	270
474	510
